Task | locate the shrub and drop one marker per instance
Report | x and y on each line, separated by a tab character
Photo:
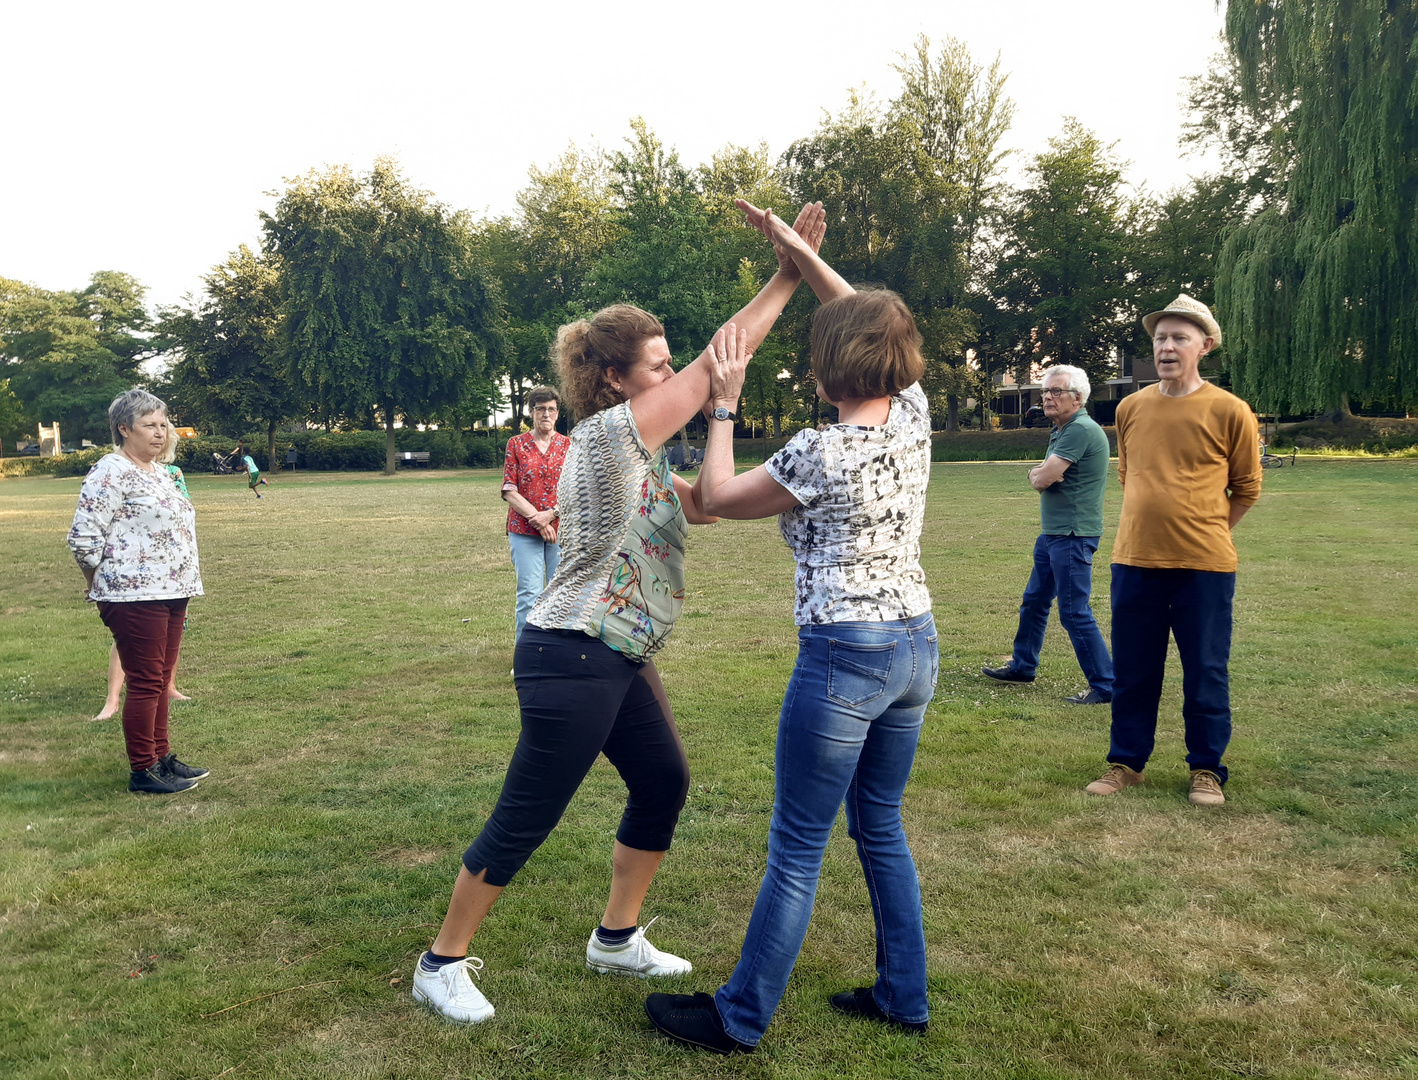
76	464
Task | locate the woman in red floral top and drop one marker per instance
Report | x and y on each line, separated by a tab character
529	481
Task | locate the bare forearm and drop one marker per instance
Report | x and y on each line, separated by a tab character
718	467
518	502
760	313
1236	512
825	282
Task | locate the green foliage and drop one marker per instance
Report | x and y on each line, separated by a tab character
384	303
1319	293
1065	277
75	464
15	422
230	372
67	355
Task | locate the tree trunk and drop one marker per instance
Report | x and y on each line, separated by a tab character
952	412
270	446
388	442
1340	412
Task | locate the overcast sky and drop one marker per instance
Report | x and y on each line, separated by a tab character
143	135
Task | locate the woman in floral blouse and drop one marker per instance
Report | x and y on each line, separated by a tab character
586	678
135	539
529	481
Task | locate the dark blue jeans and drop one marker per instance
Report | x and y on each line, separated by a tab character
1195	607
1063	568
848	730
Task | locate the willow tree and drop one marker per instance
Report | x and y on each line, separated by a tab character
384	302
1319	292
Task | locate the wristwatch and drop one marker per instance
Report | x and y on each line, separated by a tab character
721	413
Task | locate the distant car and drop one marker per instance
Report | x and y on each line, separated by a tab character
1034	417
30	451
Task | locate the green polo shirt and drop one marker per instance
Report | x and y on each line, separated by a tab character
1074	506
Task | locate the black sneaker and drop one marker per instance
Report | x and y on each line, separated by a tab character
693	1019
154	780
1088	697
1005	674
174	768
862	1002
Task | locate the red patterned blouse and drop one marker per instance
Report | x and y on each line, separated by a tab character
534	474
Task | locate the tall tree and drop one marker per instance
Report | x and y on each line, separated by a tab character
68	354
665	258
543	257
1319	293
384	302
1065	281
14	421
230	370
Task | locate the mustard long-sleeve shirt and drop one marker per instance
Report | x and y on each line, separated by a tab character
1178	457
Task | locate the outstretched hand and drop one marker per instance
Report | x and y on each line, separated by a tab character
807	231
729	355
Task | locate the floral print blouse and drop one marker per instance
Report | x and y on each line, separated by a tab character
621	575
534	475
137	532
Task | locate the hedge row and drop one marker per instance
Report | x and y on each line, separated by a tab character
1372	435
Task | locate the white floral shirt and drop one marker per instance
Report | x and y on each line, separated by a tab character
856	535
137	532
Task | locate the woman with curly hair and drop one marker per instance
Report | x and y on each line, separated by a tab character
584	661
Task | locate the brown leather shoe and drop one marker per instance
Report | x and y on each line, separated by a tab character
1114	780
1206	789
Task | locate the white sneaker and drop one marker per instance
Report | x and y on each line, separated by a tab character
450	992
636	957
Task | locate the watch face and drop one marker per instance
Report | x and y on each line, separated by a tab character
722	413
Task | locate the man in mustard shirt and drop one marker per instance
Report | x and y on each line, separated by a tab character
1070	484
1189	463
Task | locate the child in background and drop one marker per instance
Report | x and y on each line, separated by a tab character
252	472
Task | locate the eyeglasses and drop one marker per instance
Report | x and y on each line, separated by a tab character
550	410
1054	391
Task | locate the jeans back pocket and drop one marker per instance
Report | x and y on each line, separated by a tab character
857	672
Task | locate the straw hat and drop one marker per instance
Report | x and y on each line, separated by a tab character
1184	307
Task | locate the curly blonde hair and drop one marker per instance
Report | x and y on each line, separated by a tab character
611	338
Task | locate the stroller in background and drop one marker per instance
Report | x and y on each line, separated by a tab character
220	465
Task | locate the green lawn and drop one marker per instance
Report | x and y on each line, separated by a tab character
350	669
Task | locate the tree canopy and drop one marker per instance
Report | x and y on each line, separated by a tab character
1319	291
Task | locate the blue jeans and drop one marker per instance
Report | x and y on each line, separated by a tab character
848	731
1195	606
1063	567
534	561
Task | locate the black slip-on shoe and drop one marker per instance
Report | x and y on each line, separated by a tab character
1088	697
693	1019
154	781
1005	674
173	767
862	1002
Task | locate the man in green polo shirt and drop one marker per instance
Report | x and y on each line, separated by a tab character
1070	483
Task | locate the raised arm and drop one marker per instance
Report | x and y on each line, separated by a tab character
662	410
824	281
718	492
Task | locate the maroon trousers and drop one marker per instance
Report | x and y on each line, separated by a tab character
148	634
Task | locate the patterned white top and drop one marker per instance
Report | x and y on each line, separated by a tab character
621	575
137	531
856	535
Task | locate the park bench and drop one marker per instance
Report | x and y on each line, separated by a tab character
412	457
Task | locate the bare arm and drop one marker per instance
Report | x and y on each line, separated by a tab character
689	498
825	282
663	410
1237	511
755	494
1049	473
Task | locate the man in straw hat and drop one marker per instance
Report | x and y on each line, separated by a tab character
1189	463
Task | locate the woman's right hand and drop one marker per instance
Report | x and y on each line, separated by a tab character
807	231
731	355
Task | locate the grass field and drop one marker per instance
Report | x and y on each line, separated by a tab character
350	670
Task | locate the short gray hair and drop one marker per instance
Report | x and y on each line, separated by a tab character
1077	380
128	406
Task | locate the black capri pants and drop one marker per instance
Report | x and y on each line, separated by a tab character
581	698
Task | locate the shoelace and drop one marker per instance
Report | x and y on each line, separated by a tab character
469	963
